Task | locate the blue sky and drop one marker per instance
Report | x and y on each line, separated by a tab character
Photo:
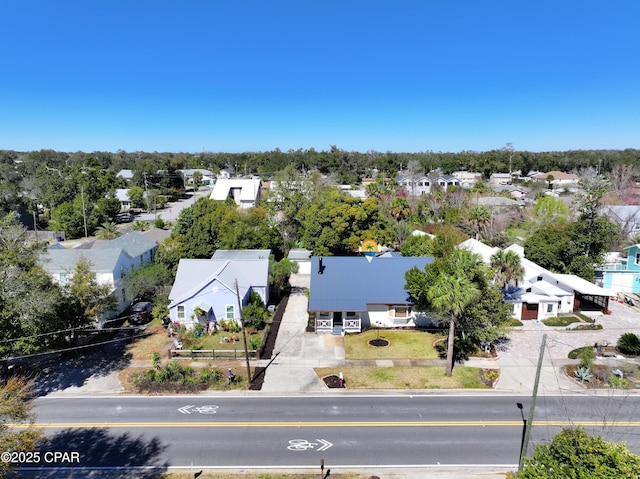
234	76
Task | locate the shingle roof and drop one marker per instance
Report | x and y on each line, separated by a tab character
350	283
135	244
241	254
63	260
195	274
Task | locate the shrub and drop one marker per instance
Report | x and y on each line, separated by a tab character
587	357
629	343
617	382
173	377
583	375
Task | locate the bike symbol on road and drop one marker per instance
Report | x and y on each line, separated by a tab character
303	445
207	409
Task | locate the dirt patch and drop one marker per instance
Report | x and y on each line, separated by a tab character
334	382
379	343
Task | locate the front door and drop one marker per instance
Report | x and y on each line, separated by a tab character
337	319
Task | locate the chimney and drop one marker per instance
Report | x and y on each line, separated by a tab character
320	267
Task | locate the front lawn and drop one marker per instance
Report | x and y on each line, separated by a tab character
404	377
412	344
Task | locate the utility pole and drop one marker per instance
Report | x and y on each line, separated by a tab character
527	431
84	213
244	336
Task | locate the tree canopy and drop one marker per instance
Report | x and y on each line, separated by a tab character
573	454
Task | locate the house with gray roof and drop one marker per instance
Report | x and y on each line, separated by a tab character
349	293
110	261
204	290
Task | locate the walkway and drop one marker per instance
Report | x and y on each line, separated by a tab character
299	352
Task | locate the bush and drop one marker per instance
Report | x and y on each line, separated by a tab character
587	357
173	377
629	343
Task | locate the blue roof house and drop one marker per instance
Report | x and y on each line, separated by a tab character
349	293
204	290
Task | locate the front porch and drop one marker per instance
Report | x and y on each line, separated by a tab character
338	322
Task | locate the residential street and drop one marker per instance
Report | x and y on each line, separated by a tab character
378	433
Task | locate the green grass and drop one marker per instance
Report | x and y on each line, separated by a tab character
404	377
402	345
560	321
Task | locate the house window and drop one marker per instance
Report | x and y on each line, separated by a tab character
539	278
230	311
549	308
638	258
351	314
180	312
398	311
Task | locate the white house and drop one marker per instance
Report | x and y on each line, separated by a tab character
110	261
542	294
207	290
244	192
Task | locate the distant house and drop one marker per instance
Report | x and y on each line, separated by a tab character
417	185
122	194
497	179
204	290
560	178
542	294
466	178
208	177
110	261
244	192
351	292
126	174
224	174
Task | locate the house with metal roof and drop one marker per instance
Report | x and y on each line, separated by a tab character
244	192
542	294
206	291
349	293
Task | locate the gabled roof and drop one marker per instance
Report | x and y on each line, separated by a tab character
241	254
126	174
349	283
135	244
60	260
249	189
195	274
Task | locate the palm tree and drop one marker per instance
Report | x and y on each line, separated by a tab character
479	217
454	290
507	270
107	231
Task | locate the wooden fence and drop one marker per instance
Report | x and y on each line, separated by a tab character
193	354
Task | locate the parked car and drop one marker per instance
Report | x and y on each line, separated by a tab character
140	313
124	218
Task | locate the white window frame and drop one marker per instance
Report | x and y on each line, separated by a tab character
180	311
229	308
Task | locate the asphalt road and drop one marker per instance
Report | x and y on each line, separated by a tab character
422	431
